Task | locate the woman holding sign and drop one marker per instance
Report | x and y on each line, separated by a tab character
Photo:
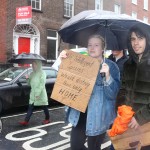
100	112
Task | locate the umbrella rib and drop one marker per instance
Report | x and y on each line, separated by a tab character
115	23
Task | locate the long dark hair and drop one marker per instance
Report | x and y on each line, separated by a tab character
141	30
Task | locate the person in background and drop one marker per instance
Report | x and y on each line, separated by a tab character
38	94
119	57
136	76
100	112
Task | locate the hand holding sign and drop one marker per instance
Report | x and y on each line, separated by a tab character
63	54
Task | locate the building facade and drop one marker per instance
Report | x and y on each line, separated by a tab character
41	35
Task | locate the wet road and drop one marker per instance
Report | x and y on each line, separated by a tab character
35	136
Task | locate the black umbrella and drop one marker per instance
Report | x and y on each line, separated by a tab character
113	27
26	58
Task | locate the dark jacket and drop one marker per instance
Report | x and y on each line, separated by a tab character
120	62
136	82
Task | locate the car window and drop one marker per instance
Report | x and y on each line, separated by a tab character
50	73
11	73
23	77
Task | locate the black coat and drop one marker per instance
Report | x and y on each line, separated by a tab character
136	82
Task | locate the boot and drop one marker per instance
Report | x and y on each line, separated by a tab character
24	123
45	122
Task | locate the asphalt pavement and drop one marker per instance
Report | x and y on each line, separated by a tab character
35	136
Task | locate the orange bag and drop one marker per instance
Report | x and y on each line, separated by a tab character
120	125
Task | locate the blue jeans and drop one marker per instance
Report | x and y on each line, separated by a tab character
30	111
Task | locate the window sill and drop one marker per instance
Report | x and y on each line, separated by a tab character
35	10
134	3
68	17
145	9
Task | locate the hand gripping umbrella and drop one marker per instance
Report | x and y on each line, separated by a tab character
111	26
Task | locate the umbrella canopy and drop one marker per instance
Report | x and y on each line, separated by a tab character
111	26
26	58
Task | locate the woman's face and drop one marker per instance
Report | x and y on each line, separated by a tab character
138	43
95	47
34	66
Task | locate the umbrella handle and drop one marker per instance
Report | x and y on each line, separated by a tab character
102	74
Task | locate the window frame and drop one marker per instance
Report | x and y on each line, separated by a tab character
134	13
54	39
40	3
71	12
145	19
118	8
100	3
145	5
134	2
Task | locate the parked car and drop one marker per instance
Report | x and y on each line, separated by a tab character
14	90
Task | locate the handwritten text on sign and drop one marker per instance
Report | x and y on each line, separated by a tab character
75	81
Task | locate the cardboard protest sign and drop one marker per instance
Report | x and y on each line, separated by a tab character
58	60
75	80
132	138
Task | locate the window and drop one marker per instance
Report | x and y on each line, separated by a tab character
11	73
98	4
117	9
26	31
134	2
146	4
52	45
50	73
134	14
68	8
36	4
145	19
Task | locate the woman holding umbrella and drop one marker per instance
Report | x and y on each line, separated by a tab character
38	95
100	112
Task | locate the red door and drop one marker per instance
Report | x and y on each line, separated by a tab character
23	45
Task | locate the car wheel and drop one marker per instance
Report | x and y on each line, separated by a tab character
1	106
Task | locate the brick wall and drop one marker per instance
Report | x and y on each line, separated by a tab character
51	17
3	26
11	22
139	9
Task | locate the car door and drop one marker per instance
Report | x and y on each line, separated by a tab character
23	88
10	91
